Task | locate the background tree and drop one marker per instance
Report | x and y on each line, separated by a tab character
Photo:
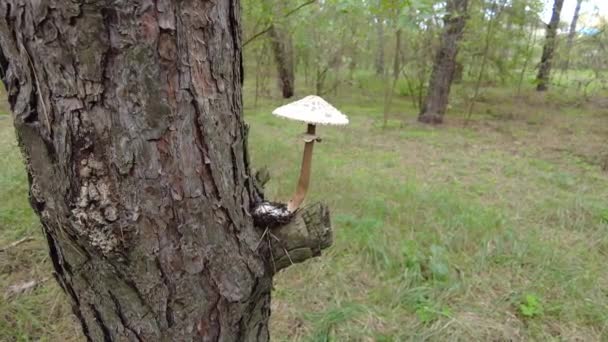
380	45
437	97
333	32
393	10
422	41
282	48
129	115
493	14
544	68
572	33
273	16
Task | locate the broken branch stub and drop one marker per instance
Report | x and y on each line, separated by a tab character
293	237
308	233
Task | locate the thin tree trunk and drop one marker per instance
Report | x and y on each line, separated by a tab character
321	74
380	47
436	101
426	51
306	71
129	115
353	64
544	69
572	34
486	51
531	42
259	67
505	51
389	89
397	60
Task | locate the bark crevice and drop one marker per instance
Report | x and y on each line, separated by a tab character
121	316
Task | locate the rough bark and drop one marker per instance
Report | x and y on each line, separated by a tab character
305	237
282	48
544	68
436	101
129	117
572	33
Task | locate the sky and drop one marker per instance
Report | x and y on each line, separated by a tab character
590	9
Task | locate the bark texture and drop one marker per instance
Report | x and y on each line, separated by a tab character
129	117
544	68
436	101
305	237
282	48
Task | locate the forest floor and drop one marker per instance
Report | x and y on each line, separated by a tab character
495	229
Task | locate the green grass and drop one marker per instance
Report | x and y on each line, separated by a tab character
42	314
497	230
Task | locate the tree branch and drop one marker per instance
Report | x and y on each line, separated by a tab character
264	31
308	233
292	237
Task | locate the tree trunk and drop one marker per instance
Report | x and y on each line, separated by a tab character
282	48
129	115
492	21
544	69
397	60
436	101
572	33
389	87
380	47
530	43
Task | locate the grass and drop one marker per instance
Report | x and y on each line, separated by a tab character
497	230
42	314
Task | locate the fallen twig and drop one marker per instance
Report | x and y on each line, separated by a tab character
17	243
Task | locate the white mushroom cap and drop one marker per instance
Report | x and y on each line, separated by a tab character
313	110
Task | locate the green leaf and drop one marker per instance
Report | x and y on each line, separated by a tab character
530	306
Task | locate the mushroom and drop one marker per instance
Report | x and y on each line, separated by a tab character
314	111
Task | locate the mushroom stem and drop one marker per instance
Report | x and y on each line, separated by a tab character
304	180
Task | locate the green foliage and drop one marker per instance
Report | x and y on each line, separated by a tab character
604	216
431	226
429	314
438	263
530	306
